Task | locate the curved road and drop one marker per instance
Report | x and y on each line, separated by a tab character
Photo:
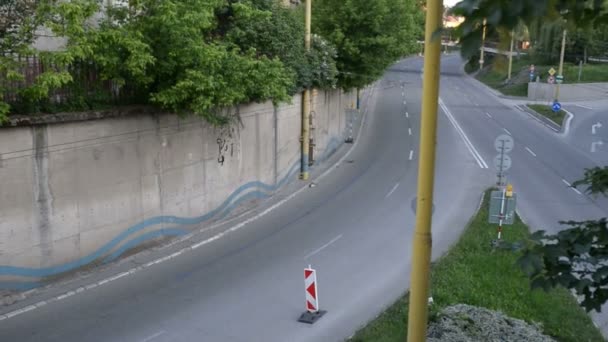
354	227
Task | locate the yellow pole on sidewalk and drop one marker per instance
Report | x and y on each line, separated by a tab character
306	101
421	260
561	63
511	56
483	45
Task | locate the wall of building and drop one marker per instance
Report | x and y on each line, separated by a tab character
83	191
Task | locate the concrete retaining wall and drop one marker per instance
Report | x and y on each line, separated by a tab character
77	192
568	92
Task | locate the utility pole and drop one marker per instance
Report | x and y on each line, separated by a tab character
511	56
421	260
561	65
306	101
483	43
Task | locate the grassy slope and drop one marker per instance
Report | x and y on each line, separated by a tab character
474	273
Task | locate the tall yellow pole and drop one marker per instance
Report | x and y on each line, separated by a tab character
561	63
421	260
306	101
511	56
483	45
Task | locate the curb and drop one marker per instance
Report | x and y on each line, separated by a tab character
562	129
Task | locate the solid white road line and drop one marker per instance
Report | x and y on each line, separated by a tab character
488	114
530	151
482	164
506	130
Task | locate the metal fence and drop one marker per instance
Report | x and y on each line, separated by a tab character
86	83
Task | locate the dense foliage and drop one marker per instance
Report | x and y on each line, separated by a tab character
369	35
194	56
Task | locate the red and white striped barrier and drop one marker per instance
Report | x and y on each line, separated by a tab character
310	284
312	313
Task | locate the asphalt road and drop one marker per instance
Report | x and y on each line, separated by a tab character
545	162
355	227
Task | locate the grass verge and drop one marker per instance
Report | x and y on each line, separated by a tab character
474	273
496	73
547	111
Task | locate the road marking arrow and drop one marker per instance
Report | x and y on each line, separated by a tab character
595	127
594	144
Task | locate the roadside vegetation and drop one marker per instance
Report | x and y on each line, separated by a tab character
547	111
193	56
475	273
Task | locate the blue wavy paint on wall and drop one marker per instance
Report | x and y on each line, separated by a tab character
232	202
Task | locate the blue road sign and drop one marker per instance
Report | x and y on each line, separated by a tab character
556	106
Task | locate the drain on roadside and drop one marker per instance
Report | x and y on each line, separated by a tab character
350	161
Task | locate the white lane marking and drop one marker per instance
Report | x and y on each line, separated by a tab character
151	337
194	246
323	247
570	186
392	190
530	151
403	93
411	154
407	115
404	102
582	106
482	164
506	130
409	131
488	114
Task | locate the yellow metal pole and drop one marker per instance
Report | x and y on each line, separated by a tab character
306	101
511	56
483	45
561	63
426	170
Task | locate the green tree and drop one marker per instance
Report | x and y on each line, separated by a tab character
20	21
368	35
275	31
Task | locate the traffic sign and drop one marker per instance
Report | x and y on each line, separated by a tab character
504	143
559	79
556	106
502	163
551	80
552	71
502	208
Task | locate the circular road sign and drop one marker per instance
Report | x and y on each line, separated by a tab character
502	164
504	143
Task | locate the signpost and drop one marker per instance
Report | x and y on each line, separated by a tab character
503	201
559	79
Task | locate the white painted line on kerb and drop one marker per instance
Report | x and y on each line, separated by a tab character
411	154
507	131
482	164
392	190
409	131
323	247
530	151
570	186
488	114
